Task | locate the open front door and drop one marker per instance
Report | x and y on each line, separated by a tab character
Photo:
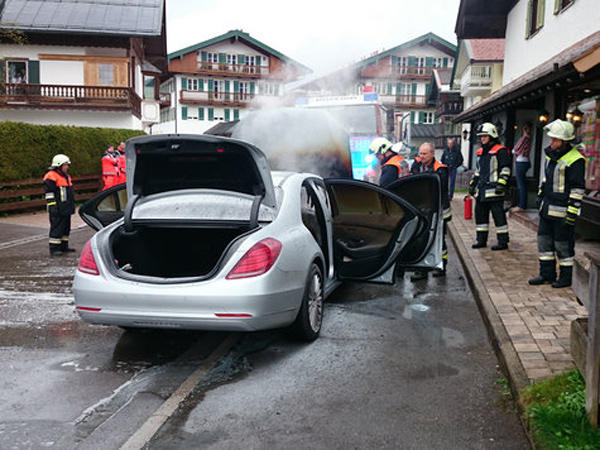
104	208
423	191
372	227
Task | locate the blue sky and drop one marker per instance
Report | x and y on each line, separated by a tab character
318	34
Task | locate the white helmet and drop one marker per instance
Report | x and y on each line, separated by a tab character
487	128
60	159
380	145
561	129
401	149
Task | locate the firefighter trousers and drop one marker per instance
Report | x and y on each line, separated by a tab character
482	221
60	228
556	244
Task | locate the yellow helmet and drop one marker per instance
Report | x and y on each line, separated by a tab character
561	129
380	145
487	128
60	159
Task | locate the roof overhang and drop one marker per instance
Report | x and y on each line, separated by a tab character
482	19
576	69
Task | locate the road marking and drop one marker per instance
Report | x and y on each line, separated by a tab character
29	239
143	435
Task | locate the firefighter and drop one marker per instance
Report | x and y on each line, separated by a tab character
561	193
393	166
110	172
488	187
120	152
426	163
60	203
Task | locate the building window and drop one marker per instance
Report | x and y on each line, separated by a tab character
244	87
428	117
106	74
16	71
535	16
559	5
231	59
192	84
212	57
420	65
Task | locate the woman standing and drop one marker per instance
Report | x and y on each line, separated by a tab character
522	165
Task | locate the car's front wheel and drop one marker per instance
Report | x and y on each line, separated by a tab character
307	325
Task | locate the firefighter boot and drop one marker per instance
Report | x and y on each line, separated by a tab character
418	275
565	278
441	272
547	274
64	247
502	242
55	250
481	240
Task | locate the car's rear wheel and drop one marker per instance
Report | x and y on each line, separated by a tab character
307	325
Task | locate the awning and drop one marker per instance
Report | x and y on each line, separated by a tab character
570	67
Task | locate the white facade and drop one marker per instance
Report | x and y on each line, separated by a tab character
559	32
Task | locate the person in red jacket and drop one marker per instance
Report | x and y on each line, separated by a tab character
110	171
60	203
120	152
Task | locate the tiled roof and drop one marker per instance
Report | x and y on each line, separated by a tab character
487	49
108	17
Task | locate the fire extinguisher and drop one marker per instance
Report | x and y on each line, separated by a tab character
468	207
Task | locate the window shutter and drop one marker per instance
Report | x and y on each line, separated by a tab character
398	88
211	85
241	59
227	84
557	6
412	60
184	84
252	87
389	89
203	56
222	58
421	117
184	112
211	114
414	88
227	115
445	62
201	84
429	61
236	87
236	114
201	113
541	8
33	72
412	117
528	24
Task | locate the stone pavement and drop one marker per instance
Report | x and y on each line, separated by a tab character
529	325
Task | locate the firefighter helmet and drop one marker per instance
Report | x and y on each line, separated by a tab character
561	129
380	145
401	149
487	128
60	159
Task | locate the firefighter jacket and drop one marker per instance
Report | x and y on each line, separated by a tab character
492	172
60	196
121	164
110	170
442	171
392	168
563	184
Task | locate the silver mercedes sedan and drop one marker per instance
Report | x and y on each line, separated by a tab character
206	236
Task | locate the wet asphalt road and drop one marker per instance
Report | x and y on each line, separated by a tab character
405	366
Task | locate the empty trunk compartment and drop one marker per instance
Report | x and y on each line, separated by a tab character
171	252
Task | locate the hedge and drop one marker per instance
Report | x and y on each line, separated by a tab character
26	150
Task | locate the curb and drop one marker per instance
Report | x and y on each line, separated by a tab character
500	340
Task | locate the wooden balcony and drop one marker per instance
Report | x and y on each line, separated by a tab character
400	72
55	96
237	70
410	101
216	98
164	98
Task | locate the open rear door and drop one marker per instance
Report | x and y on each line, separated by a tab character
104	208
372	228
423	191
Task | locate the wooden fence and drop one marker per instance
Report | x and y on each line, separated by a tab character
28	195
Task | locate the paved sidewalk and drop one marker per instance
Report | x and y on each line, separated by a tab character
529	325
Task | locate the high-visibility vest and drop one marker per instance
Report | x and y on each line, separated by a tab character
109	170
400	163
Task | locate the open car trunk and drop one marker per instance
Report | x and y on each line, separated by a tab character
171	252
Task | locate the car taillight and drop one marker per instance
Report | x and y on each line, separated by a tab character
87	263
258	260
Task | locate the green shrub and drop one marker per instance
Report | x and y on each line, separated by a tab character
26	150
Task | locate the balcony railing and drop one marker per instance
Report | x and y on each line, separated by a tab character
164	98
412	72
225	98
408	100
55	96
476	79
233	69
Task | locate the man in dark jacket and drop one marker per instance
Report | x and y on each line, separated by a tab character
393	165
561	193
60	203
453	158
488	186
